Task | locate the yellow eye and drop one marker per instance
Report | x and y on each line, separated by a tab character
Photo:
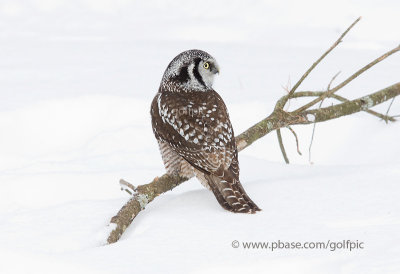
206	65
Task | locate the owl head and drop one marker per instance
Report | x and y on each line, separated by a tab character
192	69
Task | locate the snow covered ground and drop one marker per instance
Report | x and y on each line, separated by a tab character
76	82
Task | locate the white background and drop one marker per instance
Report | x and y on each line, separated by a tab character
76	82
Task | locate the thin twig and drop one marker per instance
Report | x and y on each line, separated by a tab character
278	133
297	140
348	80
312	136
126	186
319	60
390	105
315	123
333	79
287	89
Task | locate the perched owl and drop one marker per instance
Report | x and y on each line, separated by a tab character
191	124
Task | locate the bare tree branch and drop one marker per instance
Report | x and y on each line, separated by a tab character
282	147
127	187
315	124
297	139
338	41
387	111
143	195
313	132
348	80
279	119
342	99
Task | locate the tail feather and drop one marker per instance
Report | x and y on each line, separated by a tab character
230	194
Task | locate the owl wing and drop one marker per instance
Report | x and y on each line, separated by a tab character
197	128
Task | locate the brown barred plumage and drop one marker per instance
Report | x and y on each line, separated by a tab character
192	126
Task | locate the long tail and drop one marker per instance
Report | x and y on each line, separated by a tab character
230	194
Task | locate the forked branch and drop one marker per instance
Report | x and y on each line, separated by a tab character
337	42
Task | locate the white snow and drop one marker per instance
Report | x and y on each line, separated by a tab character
76	82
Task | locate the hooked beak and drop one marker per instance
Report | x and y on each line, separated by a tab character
215	69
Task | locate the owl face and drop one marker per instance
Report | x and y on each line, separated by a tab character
192	69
